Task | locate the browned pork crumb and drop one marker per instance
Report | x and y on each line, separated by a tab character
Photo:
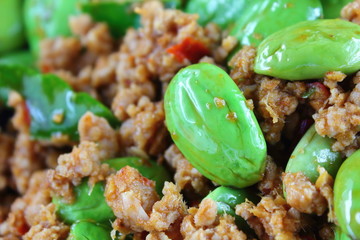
242	64
351	12
131	196
96	129
168	210
326	232
24	161
303	195
186	176
275	103
83	161
143	56
145	132
46	226
204	223
279	220
58	53
310	198
271	182
24	210
341	117
6	149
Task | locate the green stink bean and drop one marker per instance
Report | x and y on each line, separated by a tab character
221	12
339	235
48	19
213	127
260	18
310	49
11	25
312	151
332	8
227	198
347	196
84	230
90	205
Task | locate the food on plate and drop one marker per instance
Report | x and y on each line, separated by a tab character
148	119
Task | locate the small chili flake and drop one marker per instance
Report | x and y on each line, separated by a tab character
26	113
189	48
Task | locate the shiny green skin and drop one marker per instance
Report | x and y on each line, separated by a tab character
24	58
48	19
347	196
261	18
11	25
230	152
148	168
92	206
222	12
84	230
332	8
89	205
46	95
339	235
227	198
312	151
310	49
119	16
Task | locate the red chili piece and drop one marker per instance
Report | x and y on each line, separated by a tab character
189	48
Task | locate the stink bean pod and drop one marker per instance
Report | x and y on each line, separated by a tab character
212	125
347	196
227	198
260	18
312	151
310	49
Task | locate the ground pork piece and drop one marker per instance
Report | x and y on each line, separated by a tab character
351	12
186	176
204	223
104	72
46	226
94	36
303	195
83	161
242	64
326	232
6	149
5	205
96	129
131	196
168	210
279	221
341	117
275	103
21	119
24	161
271	182
25	209
58	53
145	56
145	131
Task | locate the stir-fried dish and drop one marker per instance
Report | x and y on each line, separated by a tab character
167	120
